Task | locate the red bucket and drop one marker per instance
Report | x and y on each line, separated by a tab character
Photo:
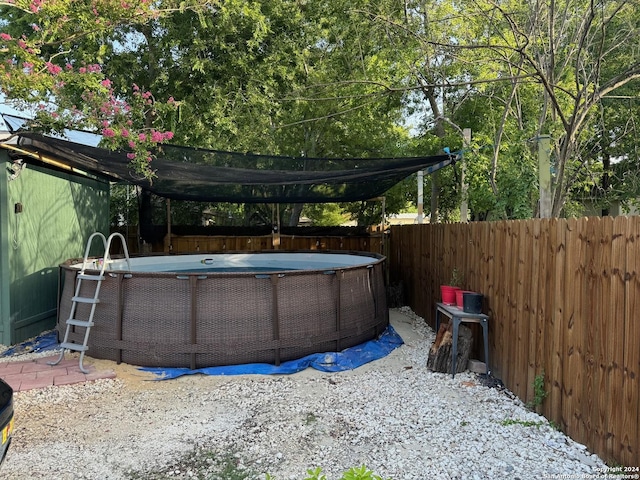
448	294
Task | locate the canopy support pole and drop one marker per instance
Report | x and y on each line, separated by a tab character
169	244
275	223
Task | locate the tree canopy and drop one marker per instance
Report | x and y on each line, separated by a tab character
349	78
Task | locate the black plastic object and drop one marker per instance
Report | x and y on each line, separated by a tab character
185	173
472	302
6	418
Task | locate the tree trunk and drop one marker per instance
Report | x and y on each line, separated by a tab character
435	187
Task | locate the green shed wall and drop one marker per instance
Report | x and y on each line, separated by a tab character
59	213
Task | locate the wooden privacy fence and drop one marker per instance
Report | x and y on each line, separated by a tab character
563	297
229	243
176	244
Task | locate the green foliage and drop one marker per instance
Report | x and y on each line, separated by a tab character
354	473
324	214
555	426
530	423
123	206
524	423
539	392
310	418
457	278
342	78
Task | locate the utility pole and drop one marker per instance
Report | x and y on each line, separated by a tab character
544	175
464	187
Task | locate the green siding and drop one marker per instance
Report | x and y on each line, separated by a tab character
59	212
5	311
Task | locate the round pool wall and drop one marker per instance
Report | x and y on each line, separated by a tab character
191	311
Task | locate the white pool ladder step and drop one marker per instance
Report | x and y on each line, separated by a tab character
93	301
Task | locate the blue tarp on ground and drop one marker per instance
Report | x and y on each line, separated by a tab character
41	343
347	359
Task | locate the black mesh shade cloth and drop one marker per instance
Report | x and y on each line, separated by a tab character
186	173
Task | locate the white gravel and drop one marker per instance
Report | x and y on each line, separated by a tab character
393	415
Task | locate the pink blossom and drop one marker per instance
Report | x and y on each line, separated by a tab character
107	132
82	70
36	28
168	135
5	36
156	136
35	5
124	132
22	44
106	83
135	87
132	144
131	156
27	66
142	137
146	95
94	68
105	123
68	66
53	68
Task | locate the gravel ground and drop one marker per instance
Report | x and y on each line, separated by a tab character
393	415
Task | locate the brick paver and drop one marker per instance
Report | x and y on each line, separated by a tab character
30	374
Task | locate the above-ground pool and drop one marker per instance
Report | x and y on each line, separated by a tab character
206	310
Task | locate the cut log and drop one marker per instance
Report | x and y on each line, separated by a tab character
440	354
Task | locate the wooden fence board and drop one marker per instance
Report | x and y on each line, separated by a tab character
431	293
601	333
596	244
523	319
613	355
629	453
555	319
496	240
532	262
510	337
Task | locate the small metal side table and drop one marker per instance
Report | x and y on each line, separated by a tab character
459	316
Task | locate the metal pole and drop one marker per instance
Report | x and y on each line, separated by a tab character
420	195
384	214
169	247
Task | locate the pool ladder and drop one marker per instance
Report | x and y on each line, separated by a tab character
93	301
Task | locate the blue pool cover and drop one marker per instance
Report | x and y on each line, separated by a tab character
42	343
347	359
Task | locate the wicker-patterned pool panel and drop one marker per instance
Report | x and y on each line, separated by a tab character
194	321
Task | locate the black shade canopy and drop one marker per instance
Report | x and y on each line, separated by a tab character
186	173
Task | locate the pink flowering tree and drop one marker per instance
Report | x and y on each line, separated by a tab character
41	72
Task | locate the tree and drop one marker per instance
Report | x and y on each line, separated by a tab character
46	65
533	68
578	52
